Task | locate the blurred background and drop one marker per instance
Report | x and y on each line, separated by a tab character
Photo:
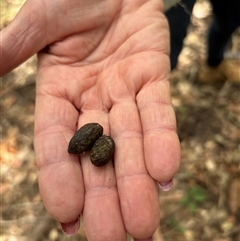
204	203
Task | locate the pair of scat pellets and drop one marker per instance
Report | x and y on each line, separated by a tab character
90	138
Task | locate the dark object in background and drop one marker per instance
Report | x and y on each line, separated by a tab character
226	19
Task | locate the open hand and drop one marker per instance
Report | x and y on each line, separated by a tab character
102	61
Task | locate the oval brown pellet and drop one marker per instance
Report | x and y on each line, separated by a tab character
102	150
84	138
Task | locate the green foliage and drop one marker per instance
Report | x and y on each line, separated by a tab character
174	224
194	196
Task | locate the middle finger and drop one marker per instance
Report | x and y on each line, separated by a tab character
101	215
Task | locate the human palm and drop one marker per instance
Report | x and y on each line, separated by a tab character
105	62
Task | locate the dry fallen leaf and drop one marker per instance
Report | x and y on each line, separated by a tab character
234	195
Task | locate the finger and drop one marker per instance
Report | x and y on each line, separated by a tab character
161	143
137	190
41	23
23	37
102	215
60	175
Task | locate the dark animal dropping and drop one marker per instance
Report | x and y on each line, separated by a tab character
102	150
84	138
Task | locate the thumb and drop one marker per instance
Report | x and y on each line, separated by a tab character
42	22
24	36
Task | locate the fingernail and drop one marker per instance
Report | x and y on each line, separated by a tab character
166	186
70	228
147	239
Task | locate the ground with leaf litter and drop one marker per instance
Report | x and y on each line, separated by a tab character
205	201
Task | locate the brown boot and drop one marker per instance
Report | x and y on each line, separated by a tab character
231	69
228	70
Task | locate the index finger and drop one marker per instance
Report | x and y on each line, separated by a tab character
60	175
